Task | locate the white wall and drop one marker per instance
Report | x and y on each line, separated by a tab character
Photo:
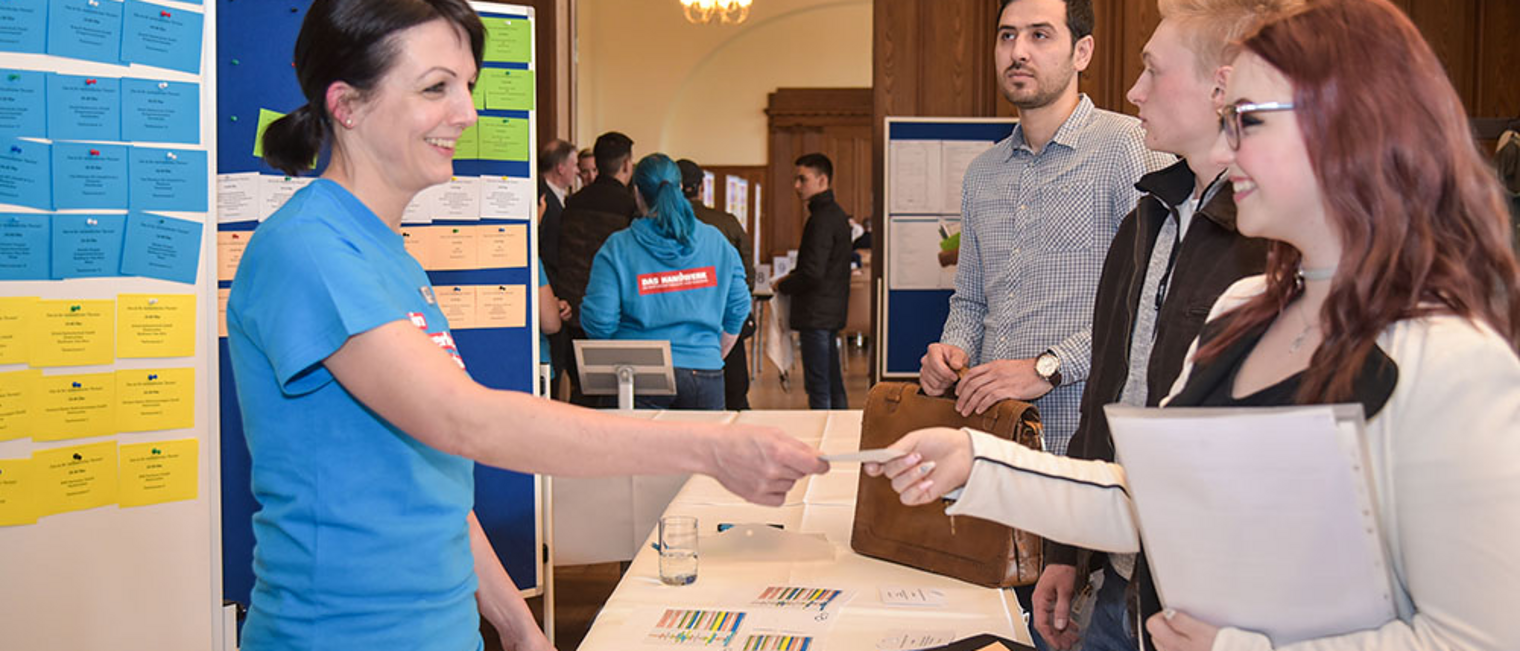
699	91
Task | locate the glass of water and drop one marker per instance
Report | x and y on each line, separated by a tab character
678	550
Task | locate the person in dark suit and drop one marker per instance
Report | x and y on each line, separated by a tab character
736	364
590	217
820	285
557	162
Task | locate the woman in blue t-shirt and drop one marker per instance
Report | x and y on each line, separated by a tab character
670	277
361	421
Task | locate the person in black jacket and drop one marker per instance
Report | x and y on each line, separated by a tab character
590	217
1173	255
556	175
736	364
820	285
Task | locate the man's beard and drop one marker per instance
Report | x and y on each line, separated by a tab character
1047	94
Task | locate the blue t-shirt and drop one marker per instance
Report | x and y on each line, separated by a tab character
362	540
646	286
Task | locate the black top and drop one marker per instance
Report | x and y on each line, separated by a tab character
820	285
590	217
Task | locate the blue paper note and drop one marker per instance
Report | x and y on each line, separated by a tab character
161	247
89	176
160	111
85	29
24	247
26	174
23	25
168	179
23	103
167	37
83	108
87	246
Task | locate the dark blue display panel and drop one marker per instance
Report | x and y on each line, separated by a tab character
256	39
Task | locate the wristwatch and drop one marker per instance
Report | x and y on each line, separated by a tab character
1048	367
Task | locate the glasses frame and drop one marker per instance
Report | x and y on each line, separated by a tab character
1229	117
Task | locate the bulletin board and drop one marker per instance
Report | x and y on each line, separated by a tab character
475	236
109	518
926	159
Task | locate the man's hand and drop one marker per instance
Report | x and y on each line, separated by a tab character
936	461
993	382
760	464
940	367
1052	606
564	310
1174	631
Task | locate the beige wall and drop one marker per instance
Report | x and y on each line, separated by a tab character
699	91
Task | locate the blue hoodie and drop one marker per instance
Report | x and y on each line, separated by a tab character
646	286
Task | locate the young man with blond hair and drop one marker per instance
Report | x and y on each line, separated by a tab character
1172	257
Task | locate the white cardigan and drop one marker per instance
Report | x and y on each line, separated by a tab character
1446	465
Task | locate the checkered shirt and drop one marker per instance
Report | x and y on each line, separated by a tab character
1034	231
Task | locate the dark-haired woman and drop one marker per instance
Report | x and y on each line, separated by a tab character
1391	284
359	415
670	277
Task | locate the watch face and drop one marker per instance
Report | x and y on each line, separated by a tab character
1046	364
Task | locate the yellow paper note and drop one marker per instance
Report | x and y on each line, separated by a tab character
419	243
18	401
74	406
15	315
503	246
468	145
501	306
73	333
18	493
154	473
503	138
155	325
457	302
221	310
75	478
508	39
266	118
455	247
155	399
229	252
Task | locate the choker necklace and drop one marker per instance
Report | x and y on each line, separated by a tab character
1316	274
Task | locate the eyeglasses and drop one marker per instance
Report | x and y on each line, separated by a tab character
1230	118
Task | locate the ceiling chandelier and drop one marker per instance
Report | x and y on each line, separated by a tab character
726	12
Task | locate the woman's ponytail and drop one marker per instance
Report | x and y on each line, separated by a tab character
291	143
659	180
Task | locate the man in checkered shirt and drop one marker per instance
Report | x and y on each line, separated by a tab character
1039	211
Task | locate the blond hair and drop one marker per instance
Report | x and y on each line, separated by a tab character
1213	29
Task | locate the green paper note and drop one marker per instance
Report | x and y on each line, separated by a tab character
507	90
468	146
266	118
508	40
503	138
479	93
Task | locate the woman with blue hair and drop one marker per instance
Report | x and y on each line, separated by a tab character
670	277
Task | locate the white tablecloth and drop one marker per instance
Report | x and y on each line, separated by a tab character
818	505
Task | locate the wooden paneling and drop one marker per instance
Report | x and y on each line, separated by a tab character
1497	88
833	121
548	67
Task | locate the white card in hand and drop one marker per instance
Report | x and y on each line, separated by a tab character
896	595
881	455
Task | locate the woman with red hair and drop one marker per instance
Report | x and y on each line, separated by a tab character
1391	283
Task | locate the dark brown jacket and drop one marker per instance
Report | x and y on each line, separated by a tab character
1211	257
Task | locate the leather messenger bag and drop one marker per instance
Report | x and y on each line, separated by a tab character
970	549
